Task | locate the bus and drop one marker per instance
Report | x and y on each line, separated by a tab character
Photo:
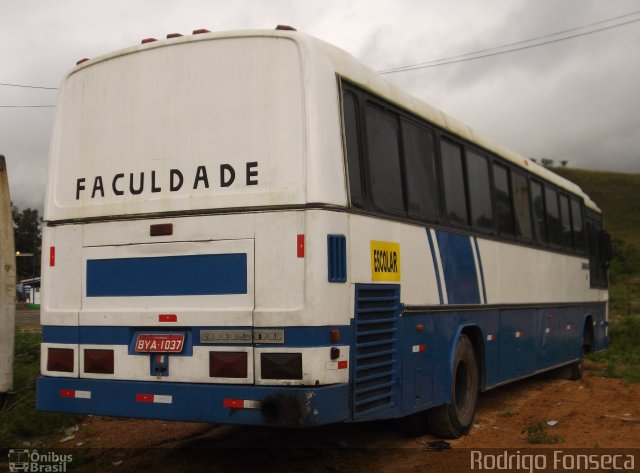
252	227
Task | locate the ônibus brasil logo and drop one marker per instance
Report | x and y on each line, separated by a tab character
33	461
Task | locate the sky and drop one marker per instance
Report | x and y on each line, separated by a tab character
575	99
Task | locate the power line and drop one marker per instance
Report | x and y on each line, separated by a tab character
497	50
27	106
24	86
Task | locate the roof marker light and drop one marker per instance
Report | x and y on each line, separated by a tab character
148	40
80	61
201	31
173	35
285	28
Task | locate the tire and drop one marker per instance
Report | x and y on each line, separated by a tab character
453	420
575	370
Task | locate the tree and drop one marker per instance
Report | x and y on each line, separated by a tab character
564	163
27	226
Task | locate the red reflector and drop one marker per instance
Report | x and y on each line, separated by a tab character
60	359
419	327
200	31
173	35
342	365
67	393
161	229
233	403
167	318
80	61
98	361
300	246
148	40
144	397
423	347
52	256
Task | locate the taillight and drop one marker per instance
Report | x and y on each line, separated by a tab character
281	365
228	364
60	359
98	361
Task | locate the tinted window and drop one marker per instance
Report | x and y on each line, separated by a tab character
537	203
553	216
419	159
480	202
521	206
353	147
453	180
565	219
576	223
384	159
503	200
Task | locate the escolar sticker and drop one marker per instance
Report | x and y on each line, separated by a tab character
385	261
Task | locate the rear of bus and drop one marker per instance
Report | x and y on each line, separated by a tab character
185	241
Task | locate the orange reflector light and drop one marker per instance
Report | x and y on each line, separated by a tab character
334	335
200	31
167	318
80	61
148	40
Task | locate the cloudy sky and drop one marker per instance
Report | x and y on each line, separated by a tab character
576	99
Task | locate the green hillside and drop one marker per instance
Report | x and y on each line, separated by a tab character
618	195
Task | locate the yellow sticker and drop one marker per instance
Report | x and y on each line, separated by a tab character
385	261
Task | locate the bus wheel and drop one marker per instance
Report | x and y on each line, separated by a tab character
454	419
575	370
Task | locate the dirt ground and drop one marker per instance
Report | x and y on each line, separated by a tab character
593	413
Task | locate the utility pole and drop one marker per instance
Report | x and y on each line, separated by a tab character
7	284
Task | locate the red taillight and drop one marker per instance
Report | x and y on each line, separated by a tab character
60	359
281	365
228	364
98	361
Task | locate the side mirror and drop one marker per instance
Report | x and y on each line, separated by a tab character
606	249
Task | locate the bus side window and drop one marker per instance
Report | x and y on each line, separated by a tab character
383	146
420	168
455	199
553	216
537	204
521	206
503	200
565	219
479	188
351	129
577	225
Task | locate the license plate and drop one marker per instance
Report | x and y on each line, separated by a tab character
159	343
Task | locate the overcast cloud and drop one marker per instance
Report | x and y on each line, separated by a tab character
574	100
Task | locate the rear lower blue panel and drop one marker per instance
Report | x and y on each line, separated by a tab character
311	406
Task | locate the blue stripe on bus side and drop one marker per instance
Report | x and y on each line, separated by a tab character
435	265
461	278
96	335
190	275
484	287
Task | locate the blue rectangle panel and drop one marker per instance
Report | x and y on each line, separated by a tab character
190	275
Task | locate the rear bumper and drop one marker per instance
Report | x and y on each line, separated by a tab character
297	406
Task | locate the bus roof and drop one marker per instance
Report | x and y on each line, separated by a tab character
343	64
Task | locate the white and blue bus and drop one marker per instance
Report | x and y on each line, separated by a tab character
254	228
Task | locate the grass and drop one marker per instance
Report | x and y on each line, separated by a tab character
537	434
623	356
19	419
